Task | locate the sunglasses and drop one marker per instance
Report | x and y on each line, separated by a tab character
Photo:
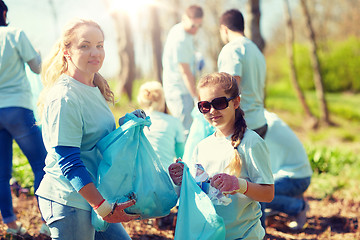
219	103
196	25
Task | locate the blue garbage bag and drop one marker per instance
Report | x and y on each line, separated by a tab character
199	130
131	169
197	218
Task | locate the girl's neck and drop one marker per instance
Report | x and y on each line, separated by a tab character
223	133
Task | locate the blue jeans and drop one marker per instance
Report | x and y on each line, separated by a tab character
70	223
288	196
19	124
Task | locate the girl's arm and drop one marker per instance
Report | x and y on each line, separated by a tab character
260	192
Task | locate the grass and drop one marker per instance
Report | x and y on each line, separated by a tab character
332	150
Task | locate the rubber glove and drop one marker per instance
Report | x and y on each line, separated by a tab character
229	184
176	172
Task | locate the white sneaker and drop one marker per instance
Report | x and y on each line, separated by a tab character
300	219
18	231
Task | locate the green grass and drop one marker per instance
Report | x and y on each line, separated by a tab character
333	150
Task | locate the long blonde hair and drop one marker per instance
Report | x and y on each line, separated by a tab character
230	86
56	64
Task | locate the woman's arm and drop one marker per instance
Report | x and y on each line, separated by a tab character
75	171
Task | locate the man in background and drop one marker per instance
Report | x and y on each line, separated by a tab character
179	66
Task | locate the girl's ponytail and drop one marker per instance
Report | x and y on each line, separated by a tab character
235	164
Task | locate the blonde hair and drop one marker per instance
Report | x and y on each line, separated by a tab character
230	86
151	96
56	64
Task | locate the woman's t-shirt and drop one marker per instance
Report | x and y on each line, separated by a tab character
75	115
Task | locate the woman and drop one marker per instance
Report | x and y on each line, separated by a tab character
75	116
235	157
17	119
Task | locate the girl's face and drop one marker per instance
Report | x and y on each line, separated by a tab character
86	53
223	119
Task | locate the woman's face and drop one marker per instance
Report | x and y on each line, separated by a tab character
224	119
86	53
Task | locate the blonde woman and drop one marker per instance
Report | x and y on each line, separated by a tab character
235	157
75	116
166	133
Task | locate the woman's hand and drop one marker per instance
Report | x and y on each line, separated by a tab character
119	215
176	172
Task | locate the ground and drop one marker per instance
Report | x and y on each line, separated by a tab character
327	219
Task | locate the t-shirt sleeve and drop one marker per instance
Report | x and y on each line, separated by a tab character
258	161
230	62
65	123
24	47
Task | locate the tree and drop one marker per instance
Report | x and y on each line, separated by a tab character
293	74
156	42
319	86
125	49
253	9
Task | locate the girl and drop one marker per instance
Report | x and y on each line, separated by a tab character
166	133
75	116
236	158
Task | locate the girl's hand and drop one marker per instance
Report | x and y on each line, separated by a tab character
229	184
176	172
119	215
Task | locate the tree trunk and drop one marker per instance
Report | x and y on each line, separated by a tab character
156	42
293	74
253	9
320	92
125	50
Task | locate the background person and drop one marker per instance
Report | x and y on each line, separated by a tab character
241	58
166	133
16	114
179	66
235	157
75	116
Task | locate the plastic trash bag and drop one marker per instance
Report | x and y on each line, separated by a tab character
131	169
199	130
197	218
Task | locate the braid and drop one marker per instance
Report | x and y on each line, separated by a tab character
235	165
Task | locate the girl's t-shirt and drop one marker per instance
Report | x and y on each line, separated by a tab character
242	215
163	134
74	115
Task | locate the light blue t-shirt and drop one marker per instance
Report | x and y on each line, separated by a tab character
242	215
287	154
241	57
163	134
75	115
179	48
15	51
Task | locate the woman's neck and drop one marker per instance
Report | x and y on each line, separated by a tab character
87	79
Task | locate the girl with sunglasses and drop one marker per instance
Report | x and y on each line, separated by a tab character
235	157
